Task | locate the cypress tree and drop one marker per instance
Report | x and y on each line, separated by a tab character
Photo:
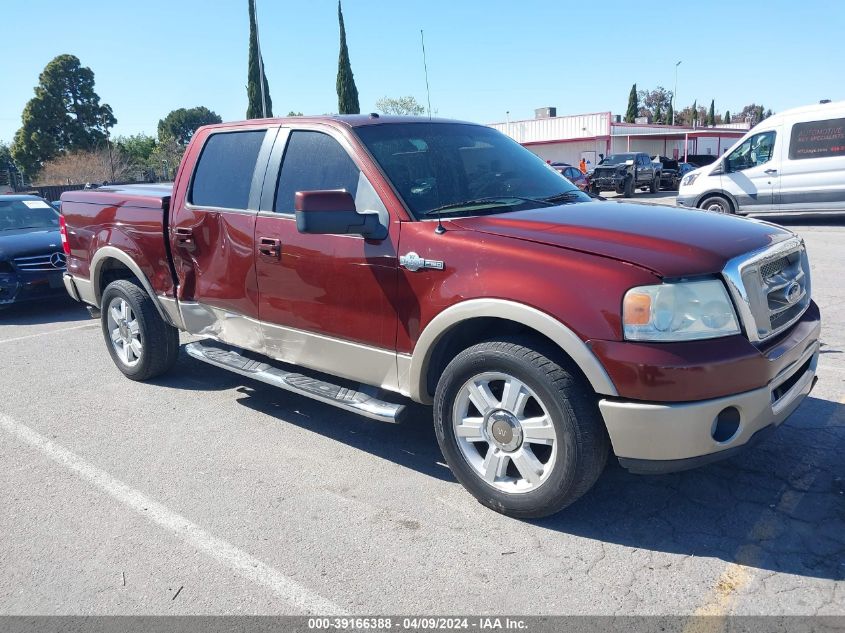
712	113
347	93
633	105
670	114
727	116
253	85
695	112
658	113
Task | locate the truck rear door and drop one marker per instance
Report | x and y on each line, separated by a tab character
212	227
325	301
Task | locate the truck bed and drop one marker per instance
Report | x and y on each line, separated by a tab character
131	218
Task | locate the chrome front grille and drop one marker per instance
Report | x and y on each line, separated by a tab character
771	287
48	262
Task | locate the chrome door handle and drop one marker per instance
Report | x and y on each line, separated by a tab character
771	171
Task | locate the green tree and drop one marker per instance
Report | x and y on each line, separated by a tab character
633	105
137	148
182	123
670	114
658	114
254	109
347	93
405	106
711	115
294	113
654	102
65	115
727	118
695	112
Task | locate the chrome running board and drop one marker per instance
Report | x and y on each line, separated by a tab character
335	395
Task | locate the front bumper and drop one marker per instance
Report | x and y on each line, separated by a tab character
27	286
665	437
685	201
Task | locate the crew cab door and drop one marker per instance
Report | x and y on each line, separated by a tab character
751	172
325	301
212	226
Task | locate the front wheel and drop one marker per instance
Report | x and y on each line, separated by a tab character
141	344
628	187
519	431
654	187
717	204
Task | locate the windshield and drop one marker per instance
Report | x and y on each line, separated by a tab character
617	159
463	169
27	214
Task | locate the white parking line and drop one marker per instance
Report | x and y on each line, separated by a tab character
65	329
216	548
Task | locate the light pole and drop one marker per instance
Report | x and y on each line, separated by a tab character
674	94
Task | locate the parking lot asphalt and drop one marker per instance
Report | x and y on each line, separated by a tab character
205	493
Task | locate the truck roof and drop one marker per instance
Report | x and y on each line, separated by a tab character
350	120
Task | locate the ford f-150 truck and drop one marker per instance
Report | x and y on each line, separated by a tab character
364	261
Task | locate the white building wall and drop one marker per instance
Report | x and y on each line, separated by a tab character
561	127
569	152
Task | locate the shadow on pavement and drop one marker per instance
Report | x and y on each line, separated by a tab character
53	310
779	506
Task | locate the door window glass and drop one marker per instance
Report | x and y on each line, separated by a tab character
223	176
313	162
755	150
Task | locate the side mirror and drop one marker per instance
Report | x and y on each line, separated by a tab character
721	167
333	213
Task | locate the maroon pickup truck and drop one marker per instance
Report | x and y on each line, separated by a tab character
365	260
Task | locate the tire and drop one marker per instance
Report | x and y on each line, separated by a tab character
594	190
654	187
141	344
717	204
628	187
563	450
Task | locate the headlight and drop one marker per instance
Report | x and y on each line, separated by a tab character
688	180
682	311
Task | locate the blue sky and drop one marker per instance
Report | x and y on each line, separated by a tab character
484	58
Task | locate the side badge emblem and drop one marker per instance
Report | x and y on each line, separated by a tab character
414	262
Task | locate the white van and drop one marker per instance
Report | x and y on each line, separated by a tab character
792	162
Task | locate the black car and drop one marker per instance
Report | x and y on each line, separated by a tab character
32	260
623	173
670	177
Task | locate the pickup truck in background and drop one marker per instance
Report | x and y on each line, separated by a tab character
623	173
364	261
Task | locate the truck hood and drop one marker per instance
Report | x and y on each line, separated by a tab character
29	243
668	241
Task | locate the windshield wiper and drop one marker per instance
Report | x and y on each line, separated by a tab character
560	197
500	201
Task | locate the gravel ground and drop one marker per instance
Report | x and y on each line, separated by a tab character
205	493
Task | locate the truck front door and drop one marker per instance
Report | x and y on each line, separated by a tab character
750	172
325	301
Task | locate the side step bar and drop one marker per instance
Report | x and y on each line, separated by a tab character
335	395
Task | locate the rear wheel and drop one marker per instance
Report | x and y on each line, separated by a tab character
519	431
716	203
141	344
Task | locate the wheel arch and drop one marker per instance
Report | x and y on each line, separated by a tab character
471	321
110	263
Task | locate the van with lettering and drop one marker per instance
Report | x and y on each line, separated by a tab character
792	162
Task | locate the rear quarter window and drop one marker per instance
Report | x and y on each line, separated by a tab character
223	176
817	139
